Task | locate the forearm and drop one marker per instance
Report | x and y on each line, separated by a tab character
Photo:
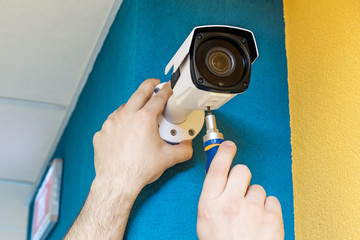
105	212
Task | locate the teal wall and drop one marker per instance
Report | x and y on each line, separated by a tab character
141	41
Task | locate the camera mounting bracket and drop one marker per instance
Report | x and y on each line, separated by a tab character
186	130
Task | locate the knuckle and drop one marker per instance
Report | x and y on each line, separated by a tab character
188	154
96	137
205	210
142	92
118	115
121	107
106	125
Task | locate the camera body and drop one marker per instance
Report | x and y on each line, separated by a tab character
212	66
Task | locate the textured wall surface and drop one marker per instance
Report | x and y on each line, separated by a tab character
141	41
323	52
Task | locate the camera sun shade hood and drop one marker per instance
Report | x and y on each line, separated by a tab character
183	51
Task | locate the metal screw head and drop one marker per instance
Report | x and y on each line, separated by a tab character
243	40
199	36
173	132
200	80
191	132
245	84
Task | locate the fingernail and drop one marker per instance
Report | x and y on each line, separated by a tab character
229	143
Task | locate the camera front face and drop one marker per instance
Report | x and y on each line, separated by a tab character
220	59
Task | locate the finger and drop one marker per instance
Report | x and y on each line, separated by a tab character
121	107
217	176
238	180
256	193
111	116
180	152
142	94
272	204
158	102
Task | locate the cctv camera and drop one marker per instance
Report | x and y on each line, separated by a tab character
212	66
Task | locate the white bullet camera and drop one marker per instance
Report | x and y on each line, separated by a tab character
212	66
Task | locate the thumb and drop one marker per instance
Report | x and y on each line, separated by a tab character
180	152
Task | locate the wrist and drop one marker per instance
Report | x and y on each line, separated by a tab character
105	212
115	188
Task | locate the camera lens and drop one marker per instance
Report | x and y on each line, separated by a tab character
220	61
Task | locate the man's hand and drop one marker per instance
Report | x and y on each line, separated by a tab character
230	209
129	154
129	148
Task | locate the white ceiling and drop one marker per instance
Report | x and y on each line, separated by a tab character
47	50
13	219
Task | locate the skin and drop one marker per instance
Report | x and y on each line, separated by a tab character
230	209
129	154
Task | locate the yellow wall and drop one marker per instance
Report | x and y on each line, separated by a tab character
323	52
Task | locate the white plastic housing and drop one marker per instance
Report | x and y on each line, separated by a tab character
180	131
184	112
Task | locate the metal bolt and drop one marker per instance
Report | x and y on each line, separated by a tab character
191	132
243	40
173	132
200	80
221	84
245	84
199	36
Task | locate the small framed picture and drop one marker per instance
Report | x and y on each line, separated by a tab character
47	201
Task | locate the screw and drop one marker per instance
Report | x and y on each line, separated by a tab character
199	36
191	132
243	40
245	84
221	84
200	80
173	132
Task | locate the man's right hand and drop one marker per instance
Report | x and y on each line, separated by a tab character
230	209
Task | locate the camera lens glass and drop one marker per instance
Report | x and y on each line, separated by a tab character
220	61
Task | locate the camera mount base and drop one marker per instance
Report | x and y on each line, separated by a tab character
186	130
